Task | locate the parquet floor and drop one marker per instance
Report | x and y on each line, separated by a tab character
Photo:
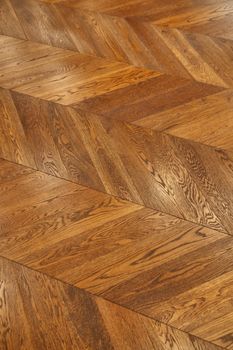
116	174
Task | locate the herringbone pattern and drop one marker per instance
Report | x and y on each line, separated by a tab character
116	174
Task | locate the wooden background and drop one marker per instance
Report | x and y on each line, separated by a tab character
116	174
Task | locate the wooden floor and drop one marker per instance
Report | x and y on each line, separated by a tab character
116	174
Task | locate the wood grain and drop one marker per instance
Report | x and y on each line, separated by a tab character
132	8
65	316
116	158
43	68
42	23
9	22
131	255
182	38
159	171
213	20
173	106
189	120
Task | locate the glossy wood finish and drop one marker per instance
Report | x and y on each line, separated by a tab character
173	175
43	68
190	55
135	7
211	19
174	106
116	158
106	246
184	38
74	318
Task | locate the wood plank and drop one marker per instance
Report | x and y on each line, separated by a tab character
98	34
133	7
43	189
203	309
139	104
62	314
177	52
9	23
144	166
134	256
43	68
189	120
42	23
154	35
173	106
209	19
176	279
13	140
7	175
117	129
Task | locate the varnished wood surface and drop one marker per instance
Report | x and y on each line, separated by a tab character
116	182
38	70
172	175
38	312
184	38
106	246
173	106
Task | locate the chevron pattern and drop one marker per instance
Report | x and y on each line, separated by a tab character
103	154
160	36
116	174
69	329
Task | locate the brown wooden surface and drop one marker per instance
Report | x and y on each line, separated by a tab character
116	174
106	246
156	170
38	312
